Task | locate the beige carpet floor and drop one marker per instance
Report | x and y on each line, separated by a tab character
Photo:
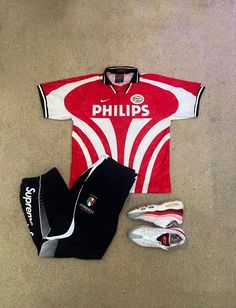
194	40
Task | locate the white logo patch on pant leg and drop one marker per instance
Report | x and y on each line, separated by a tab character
28	200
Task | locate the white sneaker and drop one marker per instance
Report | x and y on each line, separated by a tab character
164	214
157	237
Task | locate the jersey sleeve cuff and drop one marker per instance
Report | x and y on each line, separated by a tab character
198	97
43	100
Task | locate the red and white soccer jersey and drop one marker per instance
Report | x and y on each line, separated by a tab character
125	115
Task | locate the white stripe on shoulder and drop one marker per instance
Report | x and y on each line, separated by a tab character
67	88
185	98
55	99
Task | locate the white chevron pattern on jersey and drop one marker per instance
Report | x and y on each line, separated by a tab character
147	140
83	147
152	161
143	146
134	129
106	119
106	126
91	134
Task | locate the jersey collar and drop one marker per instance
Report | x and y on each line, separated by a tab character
121	69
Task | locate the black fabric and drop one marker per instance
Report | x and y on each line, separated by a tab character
43	101
29	202
49	195
121	70
95	200
56	197
198	99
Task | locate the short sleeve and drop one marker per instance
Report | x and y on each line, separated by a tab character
188	95
52	97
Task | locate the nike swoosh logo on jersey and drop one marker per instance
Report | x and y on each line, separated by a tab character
104	100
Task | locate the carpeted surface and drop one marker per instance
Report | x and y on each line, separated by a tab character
193	40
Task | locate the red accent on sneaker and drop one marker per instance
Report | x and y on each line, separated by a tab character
164	238
176	212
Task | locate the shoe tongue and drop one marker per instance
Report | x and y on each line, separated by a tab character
165	239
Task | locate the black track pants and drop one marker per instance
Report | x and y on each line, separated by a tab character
80	222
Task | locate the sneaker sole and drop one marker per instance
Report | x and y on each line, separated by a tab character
171	205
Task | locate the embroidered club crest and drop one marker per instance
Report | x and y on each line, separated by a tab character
137	99
91	200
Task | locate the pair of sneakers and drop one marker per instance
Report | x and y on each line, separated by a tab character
167	216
